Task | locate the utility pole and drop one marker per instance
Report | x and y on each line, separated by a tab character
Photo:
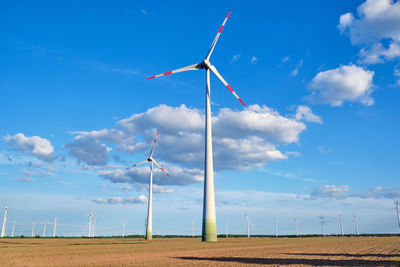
341	224
3	230
55	227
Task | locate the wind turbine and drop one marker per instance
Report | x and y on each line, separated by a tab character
13	228
322	222
297	230
209	227
55	227
149	224
44	227
248	224
192	228
341	224
123	229
355	220
3	229
33	228
91	218
397	208
276	226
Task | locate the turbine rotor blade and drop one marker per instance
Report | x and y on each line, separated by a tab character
154	145
214	70
191	67
134	165
155	162
216	38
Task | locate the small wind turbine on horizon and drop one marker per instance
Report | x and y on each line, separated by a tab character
397	208
341	224
3	229
209	227
322	222
55	227
276	226
33	228
13	228
91	219
355	220
297	229
44	227
248	224
149	224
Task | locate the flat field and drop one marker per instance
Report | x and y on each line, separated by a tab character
331	251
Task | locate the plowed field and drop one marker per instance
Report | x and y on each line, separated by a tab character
330	251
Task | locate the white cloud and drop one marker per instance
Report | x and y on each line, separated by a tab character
304	113
89	150
330	191
35	145
295	71
285	59
119	200
235	58
254	60
242	139
346	83
25	179
396	73
379	192
378	20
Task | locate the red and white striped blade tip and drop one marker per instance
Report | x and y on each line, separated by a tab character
233	92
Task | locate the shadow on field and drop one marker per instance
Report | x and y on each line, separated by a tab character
346	255
279	261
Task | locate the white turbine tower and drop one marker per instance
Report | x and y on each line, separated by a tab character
149	224
355	220
13	228
341	224
322	222
55	227
90	223
33	228
123	229
297	229
248	224
209	227
397	208
192	228
44	227
276	226
3	229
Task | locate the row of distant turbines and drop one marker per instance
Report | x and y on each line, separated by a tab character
92	223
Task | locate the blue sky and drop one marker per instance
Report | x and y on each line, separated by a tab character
318	135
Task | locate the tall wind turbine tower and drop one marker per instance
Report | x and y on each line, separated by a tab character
397	208
3	229
276	226
209	227
55	227
13	228
355	220
150	160
322	222
192	228
248	224
90	223
44	227
297	230
33	228
341	224
123	230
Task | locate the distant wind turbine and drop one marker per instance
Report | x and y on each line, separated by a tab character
297	230
44	227
322	222
55	227
209	228
3	229
397	208
151	160
13	228
192	228
123	229
248	224
33	228
355	220
341	224
276	226
91	226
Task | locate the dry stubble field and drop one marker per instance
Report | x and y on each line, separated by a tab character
332	251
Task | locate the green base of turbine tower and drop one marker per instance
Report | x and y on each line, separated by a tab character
209	233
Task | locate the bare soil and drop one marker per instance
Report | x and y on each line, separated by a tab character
328	251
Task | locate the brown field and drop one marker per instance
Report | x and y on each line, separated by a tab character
332	251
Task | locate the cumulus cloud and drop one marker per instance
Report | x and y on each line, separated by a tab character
253	60
330	191
35	145
235	58
295	71
140	176
25	179
304	113
346	83
378	22
89	150
119	200
242	139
